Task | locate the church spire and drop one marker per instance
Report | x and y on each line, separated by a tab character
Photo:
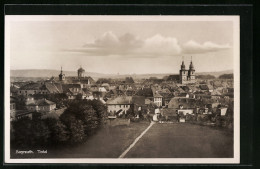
182	65
191	64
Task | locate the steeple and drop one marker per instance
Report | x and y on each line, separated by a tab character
61	75
182	65
191	65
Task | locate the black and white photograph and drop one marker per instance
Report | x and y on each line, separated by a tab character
122	89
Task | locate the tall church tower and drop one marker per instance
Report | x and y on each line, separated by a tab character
183	73
191	72
61	75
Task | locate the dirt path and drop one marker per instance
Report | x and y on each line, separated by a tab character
136	140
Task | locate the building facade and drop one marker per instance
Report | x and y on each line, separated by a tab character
187	75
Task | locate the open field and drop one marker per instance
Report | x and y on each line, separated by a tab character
177	140
107	143
183	140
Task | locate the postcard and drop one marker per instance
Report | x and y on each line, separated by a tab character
122	89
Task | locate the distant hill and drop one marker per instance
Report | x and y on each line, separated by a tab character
47	73
216	74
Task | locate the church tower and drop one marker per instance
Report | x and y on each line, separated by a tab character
61	75
183	73
81	73
191	72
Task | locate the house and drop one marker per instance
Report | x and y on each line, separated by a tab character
166	96
120	105
33	88
106	86
87	94
41	105
157	99
72	90
40	88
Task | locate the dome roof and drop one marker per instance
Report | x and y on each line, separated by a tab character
182	65
191	66
81	69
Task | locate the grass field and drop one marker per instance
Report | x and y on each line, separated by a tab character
107	143
177	140
183	140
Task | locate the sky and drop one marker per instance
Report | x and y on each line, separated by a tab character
121	46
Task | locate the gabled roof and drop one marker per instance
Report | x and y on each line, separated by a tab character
41	102
52	88
33	86
59	87
155	92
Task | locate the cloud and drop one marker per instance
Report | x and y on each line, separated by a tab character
194	47
129	45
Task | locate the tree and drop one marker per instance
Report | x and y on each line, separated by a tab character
84	115
101	111
58	131
22	135
205	77
40	132
76	131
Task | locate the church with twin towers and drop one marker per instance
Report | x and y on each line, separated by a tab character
187	75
